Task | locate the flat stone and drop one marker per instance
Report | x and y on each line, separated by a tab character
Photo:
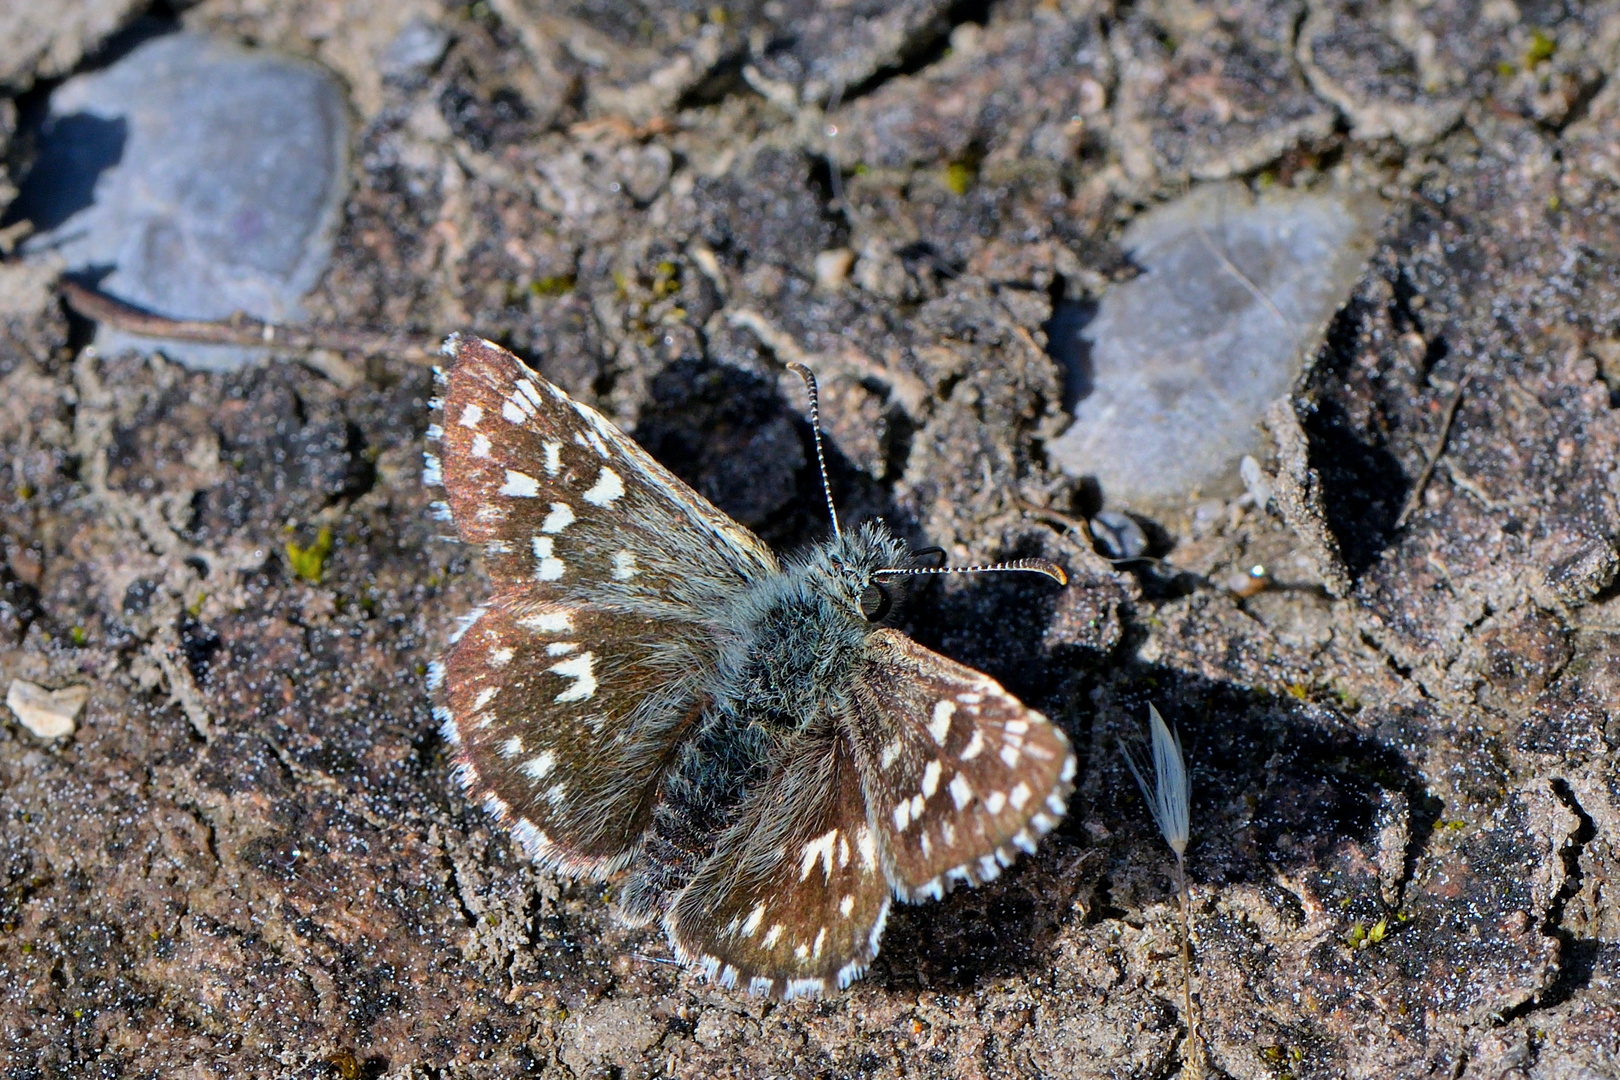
209	178
1185	358
49	714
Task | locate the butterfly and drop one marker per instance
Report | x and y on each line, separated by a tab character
651	691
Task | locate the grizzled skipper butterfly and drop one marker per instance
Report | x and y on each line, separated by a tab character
651	690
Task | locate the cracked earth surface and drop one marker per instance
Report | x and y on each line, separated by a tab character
249	859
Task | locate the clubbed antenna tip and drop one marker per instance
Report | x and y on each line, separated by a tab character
1032	566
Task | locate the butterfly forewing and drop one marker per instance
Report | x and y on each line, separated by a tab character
960	775
565	719
565	503
793	900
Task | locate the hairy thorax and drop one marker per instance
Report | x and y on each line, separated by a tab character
798	635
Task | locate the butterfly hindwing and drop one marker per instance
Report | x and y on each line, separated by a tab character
565	718
959	774
565	502
793	899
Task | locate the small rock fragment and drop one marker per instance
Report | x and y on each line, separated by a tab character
414	50
1577	578
832	268
1255	482
1119	536
1251	582
49	714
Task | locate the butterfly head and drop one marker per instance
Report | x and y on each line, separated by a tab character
850	571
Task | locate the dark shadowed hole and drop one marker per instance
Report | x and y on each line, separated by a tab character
1363	484
1067	347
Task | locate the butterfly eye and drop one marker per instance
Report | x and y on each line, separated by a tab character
875	602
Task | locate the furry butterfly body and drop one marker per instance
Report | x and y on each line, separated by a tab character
650	691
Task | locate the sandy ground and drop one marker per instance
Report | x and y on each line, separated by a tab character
249	859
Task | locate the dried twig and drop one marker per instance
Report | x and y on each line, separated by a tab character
243	331
1416	493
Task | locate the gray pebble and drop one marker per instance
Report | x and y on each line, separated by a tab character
1186	357
208	177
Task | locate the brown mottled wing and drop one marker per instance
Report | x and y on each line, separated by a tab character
566	504
564	718
959	775
566	697
789	904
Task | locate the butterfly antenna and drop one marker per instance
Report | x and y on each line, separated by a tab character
809	378
1032	566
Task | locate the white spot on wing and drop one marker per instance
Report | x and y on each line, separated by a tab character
1009	754
500	657
526	388
961	792
480	445
512	747
485	696
519	485
930	780
513	413
994	801
846	905
1019	795
547	622
471	415
754	917
560	517
890	755
902	815
819	848
940	726
539	767
772	935
974	747
553	452
624	566
606	490
548	567
561	648
578	669
868	849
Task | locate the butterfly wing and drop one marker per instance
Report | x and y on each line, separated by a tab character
791	904
564	718
566	503
958	773
566	696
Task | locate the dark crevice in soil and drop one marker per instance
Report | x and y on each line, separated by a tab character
926	49
1580	105
1363	484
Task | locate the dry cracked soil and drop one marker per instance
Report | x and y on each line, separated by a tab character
249	859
